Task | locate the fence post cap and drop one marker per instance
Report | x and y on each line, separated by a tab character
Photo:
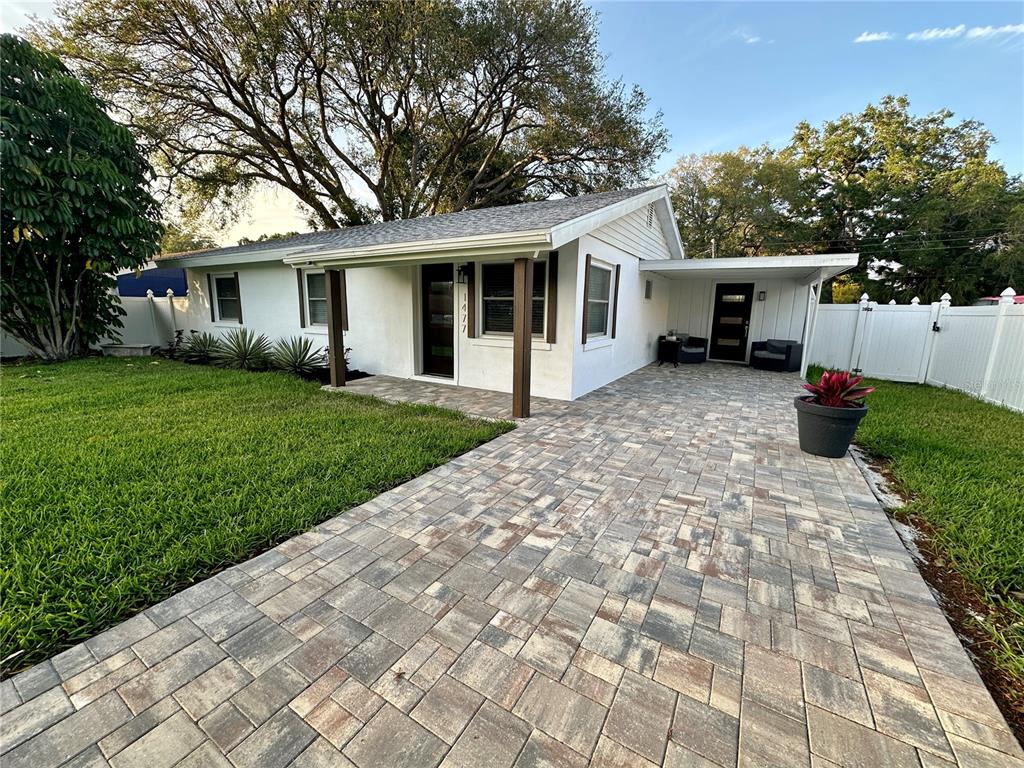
892	301
915	300
1006	297
170	293
863	299
149	293
945	298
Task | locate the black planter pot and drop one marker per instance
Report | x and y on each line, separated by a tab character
826	431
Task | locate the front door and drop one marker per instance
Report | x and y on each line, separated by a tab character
730	323
438	320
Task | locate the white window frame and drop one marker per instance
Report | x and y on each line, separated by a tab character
214	277
482	319
306	297
606	333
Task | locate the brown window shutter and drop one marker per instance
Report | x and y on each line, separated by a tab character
552	296
238	292
586	293
209	292
302	298
615	299
471	300
344	302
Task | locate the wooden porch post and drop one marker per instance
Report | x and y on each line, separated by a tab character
335	326
522	316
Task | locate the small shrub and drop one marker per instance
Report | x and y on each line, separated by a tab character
242	348
296	355
200	348
838	389
347	354
174	347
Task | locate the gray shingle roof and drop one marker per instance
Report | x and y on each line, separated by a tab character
483	221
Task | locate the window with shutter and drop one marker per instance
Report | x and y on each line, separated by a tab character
496	298
599	293
316	298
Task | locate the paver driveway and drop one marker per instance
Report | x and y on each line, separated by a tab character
653	575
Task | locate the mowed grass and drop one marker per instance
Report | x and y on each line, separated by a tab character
960	462
124	481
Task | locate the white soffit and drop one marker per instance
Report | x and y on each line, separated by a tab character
798	267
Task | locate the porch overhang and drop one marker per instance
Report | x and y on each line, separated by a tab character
805	269
475	248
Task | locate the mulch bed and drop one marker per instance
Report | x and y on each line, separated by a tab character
323	375
962	604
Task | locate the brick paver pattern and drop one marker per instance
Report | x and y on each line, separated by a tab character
652	575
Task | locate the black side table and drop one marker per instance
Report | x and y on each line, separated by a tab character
669	351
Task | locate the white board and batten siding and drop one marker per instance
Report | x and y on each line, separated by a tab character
780	316
638	233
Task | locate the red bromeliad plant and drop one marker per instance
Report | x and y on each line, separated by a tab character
838	389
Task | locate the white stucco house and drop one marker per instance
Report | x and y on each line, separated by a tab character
592	281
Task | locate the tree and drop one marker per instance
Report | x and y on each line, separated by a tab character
746	201
75	206
430	106
181	239
917	197
264	238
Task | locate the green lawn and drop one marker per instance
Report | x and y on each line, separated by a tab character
126	480
960	461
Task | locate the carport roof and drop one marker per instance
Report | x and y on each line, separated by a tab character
805	268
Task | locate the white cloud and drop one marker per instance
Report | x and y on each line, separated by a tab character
938	33
874	37
984	33
747	36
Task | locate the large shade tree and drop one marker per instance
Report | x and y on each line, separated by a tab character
74	206
918	198
746	202
418	107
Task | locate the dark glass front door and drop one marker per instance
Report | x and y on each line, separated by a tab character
730	323
438	320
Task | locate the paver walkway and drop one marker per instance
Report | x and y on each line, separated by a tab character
652	575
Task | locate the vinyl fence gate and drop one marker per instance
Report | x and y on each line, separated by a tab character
978	350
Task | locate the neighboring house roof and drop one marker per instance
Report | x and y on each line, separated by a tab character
546	223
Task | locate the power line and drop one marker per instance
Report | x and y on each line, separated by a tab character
897	243
893	239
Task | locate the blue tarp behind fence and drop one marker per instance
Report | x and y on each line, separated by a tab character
157	279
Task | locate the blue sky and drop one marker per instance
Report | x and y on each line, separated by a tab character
726	74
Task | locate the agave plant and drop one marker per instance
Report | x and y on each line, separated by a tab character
296	355
200	348
242	348
838	389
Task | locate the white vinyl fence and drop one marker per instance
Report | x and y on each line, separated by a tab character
977	350
152	319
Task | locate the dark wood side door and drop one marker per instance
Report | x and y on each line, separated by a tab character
438	320
730	322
